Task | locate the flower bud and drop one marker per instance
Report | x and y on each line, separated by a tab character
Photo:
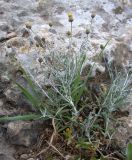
28	25
101	47
70	17
87	31
93	15
68	33
43	39
50	24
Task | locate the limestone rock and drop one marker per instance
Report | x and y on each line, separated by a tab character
11	35
123	133
24	133
31	159
4	27
24	157
15	42
6	157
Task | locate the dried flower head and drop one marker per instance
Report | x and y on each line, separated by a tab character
70	14
93	15
8	46
101	46
103	88
37	45
40	60
28	25
50	24
87	31
43	39
68	33
70	17
38	40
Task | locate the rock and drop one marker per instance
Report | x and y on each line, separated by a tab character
52	31
6	150
5	157
24	157
122	52
12	94
123	132
106	25
24	133
4	27
96	67
11	35
31	159
15	42
5	37
5	78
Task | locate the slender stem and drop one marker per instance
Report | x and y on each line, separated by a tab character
71	28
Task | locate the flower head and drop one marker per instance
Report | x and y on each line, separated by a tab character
70	17
68	33
87	31
50	24
28	25
101	46
93	15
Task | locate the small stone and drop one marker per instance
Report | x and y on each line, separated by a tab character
24	156
11	35
52	31
24	133
31	159
15	41
28	25
7	92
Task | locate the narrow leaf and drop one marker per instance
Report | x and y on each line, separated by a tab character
29	96
20	117
129	151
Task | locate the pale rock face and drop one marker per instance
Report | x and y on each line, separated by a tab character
123	50
23	133
4	157
107	25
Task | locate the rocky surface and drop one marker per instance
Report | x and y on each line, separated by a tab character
112	22
24	133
